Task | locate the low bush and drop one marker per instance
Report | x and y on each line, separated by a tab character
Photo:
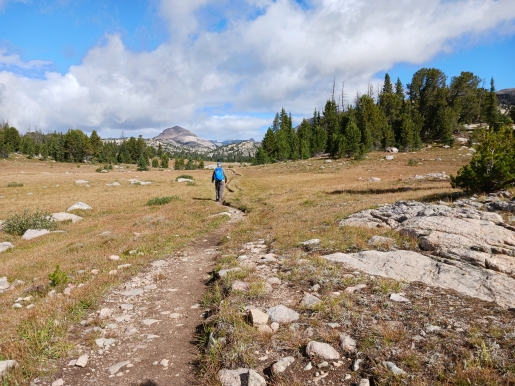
162	200
14	185
493	165
58	277
18	224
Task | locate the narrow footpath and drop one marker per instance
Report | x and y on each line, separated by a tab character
144	332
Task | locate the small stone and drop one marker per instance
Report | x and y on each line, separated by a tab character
431	328
398	298
323	364
282	314
347	344
364	382
264	329
309	300
308	367
149	322
322	350
105	313
126	307
351	290
82	361
115	368
4	247
258	317
6	365
95	271
59	382
274	326
393	368
282	364
355	365
17	305
164	362
114	257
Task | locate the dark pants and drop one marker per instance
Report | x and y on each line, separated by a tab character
219	187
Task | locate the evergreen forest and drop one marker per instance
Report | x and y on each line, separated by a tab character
429	109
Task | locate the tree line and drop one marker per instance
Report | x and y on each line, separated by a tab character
428	109
76	147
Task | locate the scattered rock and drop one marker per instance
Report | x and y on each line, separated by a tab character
105	313
356	363
82	361
322	350
351	290
79	206
282	314
115	368
63	216
257	317
58	382
4	284
392	150
33	233
225	272
6	365
114	257
240	377
347	344
398	298
4	247
394	368
81	182
239	285
282	364
309	300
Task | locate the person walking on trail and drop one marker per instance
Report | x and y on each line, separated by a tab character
219	178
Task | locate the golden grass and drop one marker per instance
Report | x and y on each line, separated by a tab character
295	201
120	224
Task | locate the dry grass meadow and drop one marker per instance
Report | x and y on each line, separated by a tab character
120	224
286	203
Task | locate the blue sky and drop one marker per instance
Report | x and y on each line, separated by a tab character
222	68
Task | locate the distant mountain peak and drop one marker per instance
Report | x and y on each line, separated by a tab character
175	132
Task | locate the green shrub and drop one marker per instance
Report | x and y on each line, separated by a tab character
187	176
162	200
14	185
412	162
58	277
493	165
19	223
155	163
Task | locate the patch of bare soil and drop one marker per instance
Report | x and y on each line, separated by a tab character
145	330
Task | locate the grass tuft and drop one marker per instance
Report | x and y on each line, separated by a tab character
162	200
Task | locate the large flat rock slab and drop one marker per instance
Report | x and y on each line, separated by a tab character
412	266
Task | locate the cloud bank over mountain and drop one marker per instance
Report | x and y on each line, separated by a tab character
228	66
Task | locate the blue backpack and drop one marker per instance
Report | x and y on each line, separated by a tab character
219	174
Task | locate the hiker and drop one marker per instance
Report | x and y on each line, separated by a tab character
219	178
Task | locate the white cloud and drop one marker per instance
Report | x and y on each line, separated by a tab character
215	83
14	61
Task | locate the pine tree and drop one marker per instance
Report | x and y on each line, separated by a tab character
352	141
142	163
491	111
164	160
96	144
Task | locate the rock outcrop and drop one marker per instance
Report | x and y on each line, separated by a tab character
462	241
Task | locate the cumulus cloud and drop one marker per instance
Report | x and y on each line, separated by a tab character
229	82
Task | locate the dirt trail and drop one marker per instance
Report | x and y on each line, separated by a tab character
153	319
